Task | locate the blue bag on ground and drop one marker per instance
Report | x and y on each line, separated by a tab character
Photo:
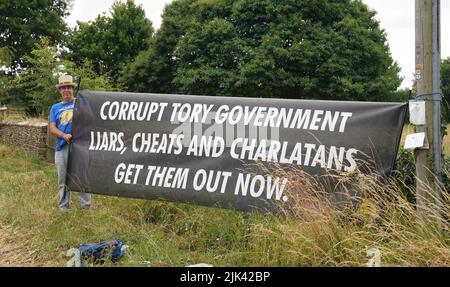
99	252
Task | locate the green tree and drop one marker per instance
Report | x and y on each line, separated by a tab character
5	62
39	79
88	79
5	57
110	43
23	23
88	42
445	87
214	72
154	69
323	49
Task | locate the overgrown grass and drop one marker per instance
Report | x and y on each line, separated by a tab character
170	234
24	119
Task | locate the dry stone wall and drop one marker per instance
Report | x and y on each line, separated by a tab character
31	137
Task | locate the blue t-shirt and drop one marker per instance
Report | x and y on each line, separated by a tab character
61	114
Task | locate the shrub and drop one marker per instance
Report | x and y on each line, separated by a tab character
404	173
405	170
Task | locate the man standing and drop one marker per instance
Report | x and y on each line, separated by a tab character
61	126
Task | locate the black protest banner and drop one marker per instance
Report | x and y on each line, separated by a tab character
223	151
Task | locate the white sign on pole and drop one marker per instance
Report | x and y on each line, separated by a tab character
417	112
417	140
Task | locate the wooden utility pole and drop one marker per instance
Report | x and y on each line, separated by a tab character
428	163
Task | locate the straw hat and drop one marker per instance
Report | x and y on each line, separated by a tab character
65	80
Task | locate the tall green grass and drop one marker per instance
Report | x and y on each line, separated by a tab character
170	234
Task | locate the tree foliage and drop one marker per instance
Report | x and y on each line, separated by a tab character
154	68
323	49
39	79
445	87
5	62
109	43
23	23
88	41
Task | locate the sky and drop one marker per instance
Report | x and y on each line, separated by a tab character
395	17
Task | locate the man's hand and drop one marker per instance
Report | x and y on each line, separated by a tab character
57	132
67	137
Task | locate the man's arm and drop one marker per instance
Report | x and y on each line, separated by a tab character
57	132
